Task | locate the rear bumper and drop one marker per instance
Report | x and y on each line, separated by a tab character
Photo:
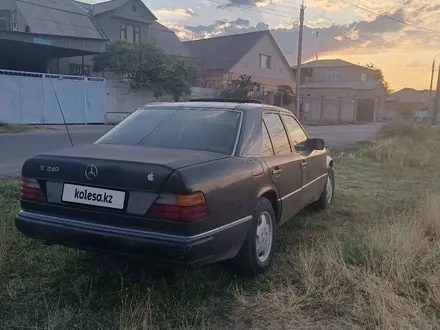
191	250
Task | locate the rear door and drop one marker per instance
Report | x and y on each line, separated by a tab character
284	165
313	162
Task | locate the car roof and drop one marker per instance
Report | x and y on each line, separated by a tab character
215	105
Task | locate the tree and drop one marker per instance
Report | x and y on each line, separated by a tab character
380	77
147	66
238	88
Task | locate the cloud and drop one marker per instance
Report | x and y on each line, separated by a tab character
414	64
218	27
315	23
373	36
187	12
329	5
418	64
381	24
247	3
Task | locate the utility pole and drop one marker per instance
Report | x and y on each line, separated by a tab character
432	79
317	44
431	104
434	112
298	66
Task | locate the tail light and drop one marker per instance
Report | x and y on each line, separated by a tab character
30	190
186	208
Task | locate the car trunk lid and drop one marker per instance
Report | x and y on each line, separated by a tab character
114	166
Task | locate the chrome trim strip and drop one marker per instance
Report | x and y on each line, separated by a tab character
313	181
129	231
237	138
292	193
305	186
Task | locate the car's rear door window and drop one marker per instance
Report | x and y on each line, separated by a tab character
296	133
197	129
267	143
277	133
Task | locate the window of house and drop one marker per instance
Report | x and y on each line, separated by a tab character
130	33
277	133
333	76
3	23
123	32
137	34
265	61
75	69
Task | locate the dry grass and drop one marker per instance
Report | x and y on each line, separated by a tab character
14	128
378	276
408	144
371	262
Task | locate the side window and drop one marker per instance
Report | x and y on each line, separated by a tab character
277	133
267	143
296	133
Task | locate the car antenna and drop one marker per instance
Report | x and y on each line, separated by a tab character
61	110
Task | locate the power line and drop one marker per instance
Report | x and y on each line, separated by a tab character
389	17
278	12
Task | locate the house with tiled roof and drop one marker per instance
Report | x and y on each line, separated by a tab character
223	59
409	102
128	20
338	81
34	31
80	29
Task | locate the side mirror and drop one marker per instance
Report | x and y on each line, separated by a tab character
315	144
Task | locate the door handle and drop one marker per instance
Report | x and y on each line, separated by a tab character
303	162
276	170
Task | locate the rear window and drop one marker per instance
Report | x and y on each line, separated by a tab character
208	130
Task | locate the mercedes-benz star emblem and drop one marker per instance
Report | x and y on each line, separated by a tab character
91	172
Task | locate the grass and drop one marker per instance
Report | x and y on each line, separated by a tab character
14	128
370	262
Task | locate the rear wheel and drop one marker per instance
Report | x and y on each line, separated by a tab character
327	195
258	250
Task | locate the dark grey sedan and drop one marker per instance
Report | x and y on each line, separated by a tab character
189	183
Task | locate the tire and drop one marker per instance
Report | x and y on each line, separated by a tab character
248	262
326	198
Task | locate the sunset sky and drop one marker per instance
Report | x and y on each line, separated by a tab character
404	52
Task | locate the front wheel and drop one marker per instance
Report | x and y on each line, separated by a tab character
328	194
258	250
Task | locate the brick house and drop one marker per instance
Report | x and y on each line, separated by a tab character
342	82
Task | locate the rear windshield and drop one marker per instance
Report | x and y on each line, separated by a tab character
208	130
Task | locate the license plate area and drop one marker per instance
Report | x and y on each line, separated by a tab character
85	195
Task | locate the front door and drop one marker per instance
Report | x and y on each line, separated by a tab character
313	162
284	165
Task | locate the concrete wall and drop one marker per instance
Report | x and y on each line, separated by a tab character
31	98
279	72
204	93
121	101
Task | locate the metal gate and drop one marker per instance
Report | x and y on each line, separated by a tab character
31	98
365	110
